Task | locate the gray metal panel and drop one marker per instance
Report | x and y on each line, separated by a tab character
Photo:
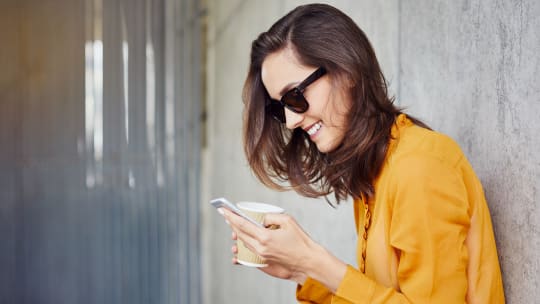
94	205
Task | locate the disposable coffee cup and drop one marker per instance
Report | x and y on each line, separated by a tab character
257	211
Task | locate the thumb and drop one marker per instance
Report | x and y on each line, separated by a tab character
276	220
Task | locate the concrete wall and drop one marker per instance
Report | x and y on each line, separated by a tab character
466	67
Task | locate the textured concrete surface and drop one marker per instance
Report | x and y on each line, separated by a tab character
468	68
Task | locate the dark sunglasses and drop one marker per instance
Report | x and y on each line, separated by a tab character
293	99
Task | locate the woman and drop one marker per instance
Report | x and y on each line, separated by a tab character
318	115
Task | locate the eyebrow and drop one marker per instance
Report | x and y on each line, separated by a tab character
288	87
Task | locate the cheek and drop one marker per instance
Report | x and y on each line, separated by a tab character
341	107
328	103
336	110
320	99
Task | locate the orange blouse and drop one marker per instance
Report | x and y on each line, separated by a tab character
431	238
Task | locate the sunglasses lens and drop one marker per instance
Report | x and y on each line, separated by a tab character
277	111
295	101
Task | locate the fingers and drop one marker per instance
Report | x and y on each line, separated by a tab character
240	224
234	250
242	229
276	220
260	240
252	243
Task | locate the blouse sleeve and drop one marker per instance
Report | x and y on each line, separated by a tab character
428	227
313	292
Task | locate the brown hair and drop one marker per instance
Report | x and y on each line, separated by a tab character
320	36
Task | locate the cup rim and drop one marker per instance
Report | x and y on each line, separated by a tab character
259	207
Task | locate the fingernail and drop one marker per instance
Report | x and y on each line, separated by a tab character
227	222
220	211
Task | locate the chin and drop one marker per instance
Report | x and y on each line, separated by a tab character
326	147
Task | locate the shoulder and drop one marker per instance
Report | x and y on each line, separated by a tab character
425	160
420	150
424	171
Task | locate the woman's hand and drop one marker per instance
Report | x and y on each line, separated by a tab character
289	252
272	269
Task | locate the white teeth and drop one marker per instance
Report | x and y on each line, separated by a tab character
314	129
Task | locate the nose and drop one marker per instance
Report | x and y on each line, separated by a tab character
292	119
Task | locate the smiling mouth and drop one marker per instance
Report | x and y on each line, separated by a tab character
316	127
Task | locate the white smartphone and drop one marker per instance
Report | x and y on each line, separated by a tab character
224	203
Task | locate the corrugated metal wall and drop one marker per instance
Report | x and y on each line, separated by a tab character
99	151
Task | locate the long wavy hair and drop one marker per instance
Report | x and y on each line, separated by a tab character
320	36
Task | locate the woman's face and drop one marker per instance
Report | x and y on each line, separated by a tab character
325	120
